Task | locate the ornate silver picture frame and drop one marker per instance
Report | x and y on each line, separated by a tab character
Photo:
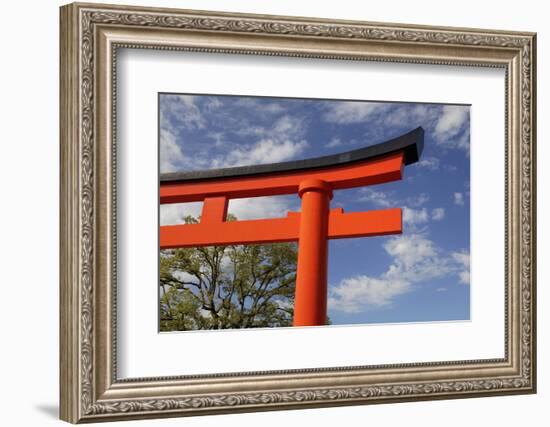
92	36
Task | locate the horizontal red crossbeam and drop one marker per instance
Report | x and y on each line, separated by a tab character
376	171
341	225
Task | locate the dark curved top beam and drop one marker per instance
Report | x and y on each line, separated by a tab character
410	143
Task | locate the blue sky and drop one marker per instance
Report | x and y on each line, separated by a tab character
420	275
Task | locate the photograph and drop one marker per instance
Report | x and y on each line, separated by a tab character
264	212
232	250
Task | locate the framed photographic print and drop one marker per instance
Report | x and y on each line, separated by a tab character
299	212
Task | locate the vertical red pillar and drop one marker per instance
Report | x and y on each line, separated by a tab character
214	210
310	305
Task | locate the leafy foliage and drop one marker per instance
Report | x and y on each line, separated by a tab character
223	287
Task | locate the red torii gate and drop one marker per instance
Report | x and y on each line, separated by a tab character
314	180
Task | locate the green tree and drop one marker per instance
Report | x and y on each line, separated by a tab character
220	287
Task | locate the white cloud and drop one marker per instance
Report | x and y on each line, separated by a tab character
458	199
339	142
352	294
265	151
188	112
406	113
218	137
353	112
285	304
184	276
377	198
451	121
213	103
431	163
446	124
463	259
416	259
283	141
438	214
249	130
173	214
411	216
177	111
288	126
252	208
463	141
415	216
170	152
334	142
272	108
259	106
261	207
451	129
419	200
181	110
